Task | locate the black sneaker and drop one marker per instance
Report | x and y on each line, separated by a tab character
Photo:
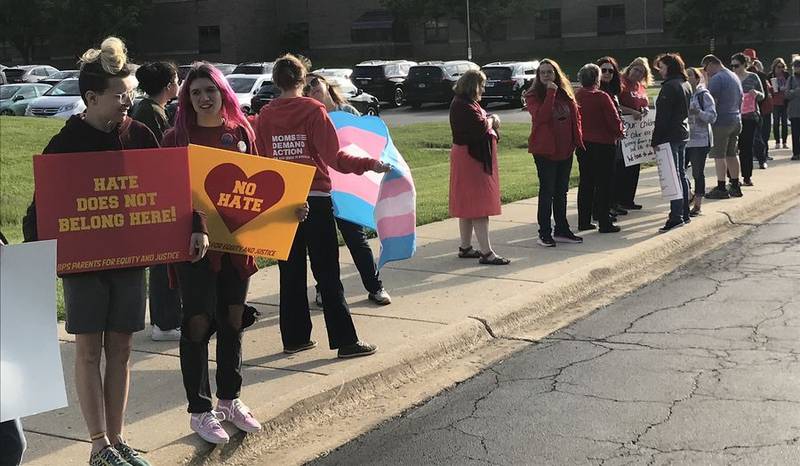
546	242
304	347
617	210
747	182
735	190
609	229
359	348
670	225
567	237
795	157
130	455
631	206
718	193
588	226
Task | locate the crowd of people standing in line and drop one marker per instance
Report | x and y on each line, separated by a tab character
700	112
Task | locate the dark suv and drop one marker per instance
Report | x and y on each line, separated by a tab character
508	81
433	81
254	68
383	79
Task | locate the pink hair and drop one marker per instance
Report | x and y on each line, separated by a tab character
230	111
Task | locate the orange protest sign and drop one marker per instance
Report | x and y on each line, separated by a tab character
250	201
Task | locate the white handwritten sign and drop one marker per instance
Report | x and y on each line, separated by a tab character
671	188
636	147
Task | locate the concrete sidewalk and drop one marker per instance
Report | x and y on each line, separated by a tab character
442	307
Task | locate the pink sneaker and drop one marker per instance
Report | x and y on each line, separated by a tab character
239	414
208	427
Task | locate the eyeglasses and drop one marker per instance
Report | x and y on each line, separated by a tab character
311	84
125	97
607	70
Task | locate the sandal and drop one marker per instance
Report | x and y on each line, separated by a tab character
498	260
468	253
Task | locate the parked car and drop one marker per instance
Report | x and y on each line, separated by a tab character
62	101
246	86
383	79
60	76
365	103
254	68
508	81
29	73
14	98
334	72
226	69
2	75
433	81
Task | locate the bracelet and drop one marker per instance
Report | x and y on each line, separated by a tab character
98	436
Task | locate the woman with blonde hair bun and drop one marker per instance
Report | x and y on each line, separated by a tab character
104	308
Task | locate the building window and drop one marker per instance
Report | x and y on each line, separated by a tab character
437	32
296	37
548	23
208	40
610	20
374	26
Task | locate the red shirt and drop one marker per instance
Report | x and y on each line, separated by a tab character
633	95
299	130
233	138
600	120
556	126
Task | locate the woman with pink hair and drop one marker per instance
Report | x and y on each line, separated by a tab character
214	289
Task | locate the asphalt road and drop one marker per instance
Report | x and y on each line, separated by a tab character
701	367
439	113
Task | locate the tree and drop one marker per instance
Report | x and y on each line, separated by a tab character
26	22
698	21
90	21
487	17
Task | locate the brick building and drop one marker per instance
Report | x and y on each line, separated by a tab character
341	33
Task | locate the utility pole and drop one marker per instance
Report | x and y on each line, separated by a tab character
469	41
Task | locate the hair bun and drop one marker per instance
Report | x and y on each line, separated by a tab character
112	55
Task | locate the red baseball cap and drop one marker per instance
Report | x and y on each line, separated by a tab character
750	53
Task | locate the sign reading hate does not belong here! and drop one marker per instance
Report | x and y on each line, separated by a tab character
116	209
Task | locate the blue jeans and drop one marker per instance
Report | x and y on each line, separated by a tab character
679	208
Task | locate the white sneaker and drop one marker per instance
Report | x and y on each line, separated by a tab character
165	335
777	145
380	297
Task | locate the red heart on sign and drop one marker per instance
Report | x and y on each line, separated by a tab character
235	195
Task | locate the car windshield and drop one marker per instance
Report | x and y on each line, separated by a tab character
425	73
254	69
367	72
241	85
64	75
497	73
69	87
6	92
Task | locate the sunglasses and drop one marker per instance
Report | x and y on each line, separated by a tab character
311	84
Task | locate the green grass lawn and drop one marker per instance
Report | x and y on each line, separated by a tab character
426	148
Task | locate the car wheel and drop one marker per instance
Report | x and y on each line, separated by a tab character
399	97
246	110
521	100
372	111
7	112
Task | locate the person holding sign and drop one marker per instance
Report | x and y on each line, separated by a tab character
702	114
633	100
104	308
555	133
602	128
297	129
213	288
672	127
779	78
751	115
354	235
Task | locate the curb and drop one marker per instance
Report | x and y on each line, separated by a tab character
575	295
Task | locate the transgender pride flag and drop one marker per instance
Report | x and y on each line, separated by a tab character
384	202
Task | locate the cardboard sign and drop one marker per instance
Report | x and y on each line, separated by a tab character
636	148
116	209
671	188
31	374
250	201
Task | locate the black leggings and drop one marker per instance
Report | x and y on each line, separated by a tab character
696	156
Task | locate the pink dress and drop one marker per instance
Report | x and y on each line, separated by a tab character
473	192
